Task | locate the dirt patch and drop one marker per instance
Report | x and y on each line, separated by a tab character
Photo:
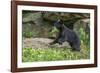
41	43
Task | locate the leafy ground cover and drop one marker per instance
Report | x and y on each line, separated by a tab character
53	54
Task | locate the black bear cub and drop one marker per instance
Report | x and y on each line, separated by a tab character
66	34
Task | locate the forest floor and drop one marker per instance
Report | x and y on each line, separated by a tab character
38	49
41	43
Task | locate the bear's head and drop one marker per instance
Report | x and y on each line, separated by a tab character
58	24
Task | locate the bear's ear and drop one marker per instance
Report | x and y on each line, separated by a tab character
61	21
58	20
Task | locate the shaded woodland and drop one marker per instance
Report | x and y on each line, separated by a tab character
37	28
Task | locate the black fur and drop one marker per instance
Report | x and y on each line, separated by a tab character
66	34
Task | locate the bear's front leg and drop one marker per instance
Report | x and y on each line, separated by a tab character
56	40
61	40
